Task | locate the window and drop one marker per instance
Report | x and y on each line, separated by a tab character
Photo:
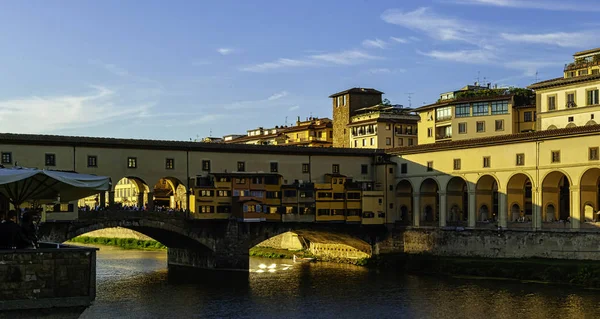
391	170
429	132
571	100
555	157
391	187
364	142
583	72
551	103
457	164
372	141
443	113
6	157
355	143
132	162
520	159
388	127
335	168
480	127
596	71
391	205
400	142
486	161
592	97
388	141
170	163
410	142
241	166
330	134
92	161
50	160
527	116
499	125
429	166
305	168
364	169
462	128
274	167
571	119
593	154
206	165
480	109
462	110
500	107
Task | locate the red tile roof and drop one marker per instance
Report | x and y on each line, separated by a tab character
357	91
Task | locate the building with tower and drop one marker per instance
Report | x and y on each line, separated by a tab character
345	105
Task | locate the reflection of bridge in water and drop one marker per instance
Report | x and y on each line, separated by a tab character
213	244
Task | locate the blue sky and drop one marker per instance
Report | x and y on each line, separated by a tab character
181	69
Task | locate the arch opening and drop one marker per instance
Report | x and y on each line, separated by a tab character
556	199
487	199
128	193
404	203
590	196
169	194
519	195
430	201
457	197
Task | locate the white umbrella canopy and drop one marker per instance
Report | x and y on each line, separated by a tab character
23	184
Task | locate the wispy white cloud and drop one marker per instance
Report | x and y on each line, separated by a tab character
434	25
562	39
277	64
529	68
399	40
293	108
385	71
277	96
549	5
376	43
414	39
479	56
350	57
99	106
225	51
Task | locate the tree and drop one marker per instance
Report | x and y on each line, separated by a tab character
386	102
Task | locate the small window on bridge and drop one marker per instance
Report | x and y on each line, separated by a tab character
132	162
50	160
305	168
170	163
92	161
335	168
274	167
206	165
241	166
6	158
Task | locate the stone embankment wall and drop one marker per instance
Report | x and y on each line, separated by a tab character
47	277
320	247
117	232
329	251
505	244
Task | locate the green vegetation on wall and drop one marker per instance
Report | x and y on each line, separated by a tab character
126	243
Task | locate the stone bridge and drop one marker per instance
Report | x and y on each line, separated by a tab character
211	244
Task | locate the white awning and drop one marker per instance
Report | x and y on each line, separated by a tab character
23	184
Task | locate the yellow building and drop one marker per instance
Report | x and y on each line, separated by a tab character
571	100
477	113
383	126
313	132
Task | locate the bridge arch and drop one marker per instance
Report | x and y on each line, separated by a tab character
404	204
556	196
487	198
170	193
131	191
590	194
429	214
457	197
519	196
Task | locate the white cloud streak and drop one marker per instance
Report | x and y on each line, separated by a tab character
294	108
399	40
582	39
463	56
436	26
349	57
277	96
54	113
377	43
385	71
225	51
533	4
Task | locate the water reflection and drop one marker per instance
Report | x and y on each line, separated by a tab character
136	284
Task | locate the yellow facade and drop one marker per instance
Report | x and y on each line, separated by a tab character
383	127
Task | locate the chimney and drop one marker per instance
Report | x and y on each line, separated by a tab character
489	85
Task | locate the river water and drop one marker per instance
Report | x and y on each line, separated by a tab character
135	284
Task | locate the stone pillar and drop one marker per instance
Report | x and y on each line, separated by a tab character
502	209
150	201
443	209
575	207
140	200
472	208
102	202
536	203
416	209
111	200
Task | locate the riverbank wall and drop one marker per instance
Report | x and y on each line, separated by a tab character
52	276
